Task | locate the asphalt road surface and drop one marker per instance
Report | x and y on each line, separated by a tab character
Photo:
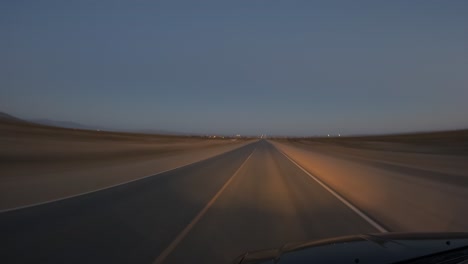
250	198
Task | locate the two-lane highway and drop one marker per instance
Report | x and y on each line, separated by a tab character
269	203
251	198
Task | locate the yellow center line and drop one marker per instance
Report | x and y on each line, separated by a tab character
183	234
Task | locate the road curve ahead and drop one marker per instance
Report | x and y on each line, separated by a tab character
208	212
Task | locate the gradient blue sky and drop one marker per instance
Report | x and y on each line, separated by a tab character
249	67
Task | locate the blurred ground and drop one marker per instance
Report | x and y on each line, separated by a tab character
413	182
250	198
40	163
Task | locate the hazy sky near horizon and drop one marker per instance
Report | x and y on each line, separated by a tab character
249	67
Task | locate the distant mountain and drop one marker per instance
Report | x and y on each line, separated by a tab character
68	124
7	117
64	124
74	125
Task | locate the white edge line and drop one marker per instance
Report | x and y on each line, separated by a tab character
338	196
108	187
168	250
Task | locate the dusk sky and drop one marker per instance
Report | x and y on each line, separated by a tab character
248	67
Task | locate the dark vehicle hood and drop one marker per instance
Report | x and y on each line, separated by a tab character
371	248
